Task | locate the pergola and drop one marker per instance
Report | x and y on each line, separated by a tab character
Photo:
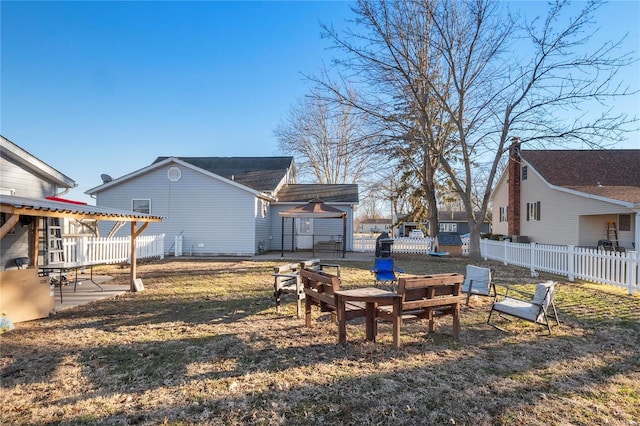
16	207
314	209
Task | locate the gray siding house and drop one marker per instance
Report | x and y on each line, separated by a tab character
216	205
24	175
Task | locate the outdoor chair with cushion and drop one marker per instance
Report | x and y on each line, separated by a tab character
477	281
539	310
385	271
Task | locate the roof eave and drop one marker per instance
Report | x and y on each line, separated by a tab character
34	164
175	160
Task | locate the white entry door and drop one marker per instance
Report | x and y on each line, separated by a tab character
305	233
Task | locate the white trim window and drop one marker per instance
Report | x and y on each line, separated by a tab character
533	212
141	205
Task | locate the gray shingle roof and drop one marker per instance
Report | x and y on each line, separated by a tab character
259	173
344	193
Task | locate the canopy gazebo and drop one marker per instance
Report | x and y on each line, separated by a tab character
314	209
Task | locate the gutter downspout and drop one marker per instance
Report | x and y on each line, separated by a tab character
66	190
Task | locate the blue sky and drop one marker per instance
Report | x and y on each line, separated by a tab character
106	87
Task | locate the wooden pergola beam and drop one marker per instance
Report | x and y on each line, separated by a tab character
14	213
25	211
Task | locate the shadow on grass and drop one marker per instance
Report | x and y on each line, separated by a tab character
599	307
518	376
211	356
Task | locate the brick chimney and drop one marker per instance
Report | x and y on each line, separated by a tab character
513	212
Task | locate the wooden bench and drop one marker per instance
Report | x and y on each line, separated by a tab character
287	280
319	289
424	297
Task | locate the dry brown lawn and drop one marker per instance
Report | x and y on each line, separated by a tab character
203	345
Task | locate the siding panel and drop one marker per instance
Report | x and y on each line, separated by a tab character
213	217
24	183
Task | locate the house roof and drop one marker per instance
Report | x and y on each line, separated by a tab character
178	162
259	173
302	193
14	153
611	173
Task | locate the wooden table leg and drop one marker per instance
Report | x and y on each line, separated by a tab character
456	321
371	319
307	312
397	321
342	323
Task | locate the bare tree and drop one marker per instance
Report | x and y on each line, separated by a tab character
480	76
327	139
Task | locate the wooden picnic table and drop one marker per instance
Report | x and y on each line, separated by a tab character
372	298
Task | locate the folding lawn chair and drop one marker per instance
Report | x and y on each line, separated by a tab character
385	271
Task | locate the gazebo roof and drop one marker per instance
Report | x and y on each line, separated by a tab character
314	208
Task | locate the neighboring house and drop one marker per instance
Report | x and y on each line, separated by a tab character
24	175
373	226
456	221
224	205
569	197
449	221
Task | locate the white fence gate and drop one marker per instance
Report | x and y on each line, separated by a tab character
111	250
619	269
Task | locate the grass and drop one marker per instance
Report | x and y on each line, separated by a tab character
203	345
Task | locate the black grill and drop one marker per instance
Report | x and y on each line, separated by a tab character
383	245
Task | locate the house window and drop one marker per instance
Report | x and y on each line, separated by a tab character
504	216
265	204
141	205
448	227
524	172
305	226
533	211
625	222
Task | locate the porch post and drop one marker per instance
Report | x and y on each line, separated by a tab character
344	235
282	238
132	259
293	229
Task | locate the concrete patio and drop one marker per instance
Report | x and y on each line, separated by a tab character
86	292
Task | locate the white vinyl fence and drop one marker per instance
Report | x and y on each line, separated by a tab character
619	269
367	244
111	250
